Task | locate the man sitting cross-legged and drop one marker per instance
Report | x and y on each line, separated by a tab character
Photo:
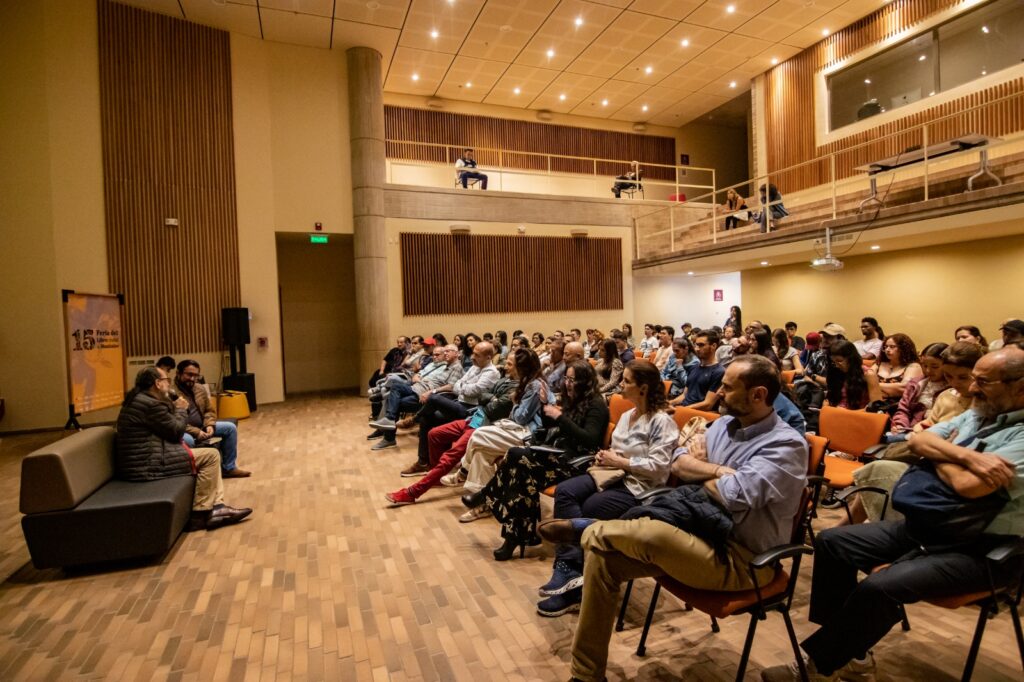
202	421
752	464
448	442
979	457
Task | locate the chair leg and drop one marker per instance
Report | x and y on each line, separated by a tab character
903	617
1015	615
621	622
714	625
747	644
979	632
796	645
641	648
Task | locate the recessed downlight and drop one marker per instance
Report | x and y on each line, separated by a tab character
604	103
415	76
685	42
775	60
562	97
764	262
730	9
550	53
875	247
516	91
732	84
434	34
643	108
649	70
578	22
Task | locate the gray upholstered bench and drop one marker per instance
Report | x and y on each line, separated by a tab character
77	513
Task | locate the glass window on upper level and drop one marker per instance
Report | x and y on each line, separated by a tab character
966	48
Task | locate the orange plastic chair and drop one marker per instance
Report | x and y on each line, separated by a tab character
668	385
651	354
787	376
776	595
617	406
853	432
682	415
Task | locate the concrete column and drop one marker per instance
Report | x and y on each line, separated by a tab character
366	132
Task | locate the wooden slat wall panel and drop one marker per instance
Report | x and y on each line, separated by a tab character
789	98
464	130
510	274
165	105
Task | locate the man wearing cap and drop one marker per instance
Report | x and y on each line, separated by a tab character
811	346
816	368
1013	332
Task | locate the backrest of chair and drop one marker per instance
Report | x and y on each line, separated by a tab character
651	354
617	406
683	415
851	431
787	375
817	446
668	385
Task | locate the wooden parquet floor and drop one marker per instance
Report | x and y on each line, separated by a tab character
325	583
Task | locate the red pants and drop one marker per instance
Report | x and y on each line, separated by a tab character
447	445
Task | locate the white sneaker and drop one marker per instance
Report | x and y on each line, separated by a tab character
858	670
791	673
475	513
453	479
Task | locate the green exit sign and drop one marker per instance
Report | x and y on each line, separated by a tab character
318	239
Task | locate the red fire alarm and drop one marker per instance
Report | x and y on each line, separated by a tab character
318	226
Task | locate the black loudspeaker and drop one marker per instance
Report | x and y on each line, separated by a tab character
235	326
242	382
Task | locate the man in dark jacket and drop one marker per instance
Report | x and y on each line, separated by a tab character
150	428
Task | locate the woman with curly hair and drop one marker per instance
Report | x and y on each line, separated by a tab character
847	383
596	337
578	427
637	461
899	365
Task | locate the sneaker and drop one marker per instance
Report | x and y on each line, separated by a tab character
563	579
383	423
399	498
375	435
453	479
475	513
858	670
791	673
384	444
415	469
561	604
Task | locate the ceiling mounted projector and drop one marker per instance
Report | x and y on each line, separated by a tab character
828	263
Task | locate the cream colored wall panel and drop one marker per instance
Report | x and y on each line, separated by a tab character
628	36
693	77
428	68
351	34
713	13
608	98
561	34
388	13
471	79
670	9
573	86
782	18
451	21
504	28
656	100
675	299
244	19
319	8
669	54
297	29
530	81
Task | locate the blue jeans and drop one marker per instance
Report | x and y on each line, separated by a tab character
228	446
401	396
579	498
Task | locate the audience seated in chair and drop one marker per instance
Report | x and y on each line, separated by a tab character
870	347
703	379
628	182
922	561
898	366
609	369
201	420
464	176
848	383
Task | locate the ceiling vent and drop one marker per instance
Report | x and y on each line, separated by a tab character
544	115
640	127
435	103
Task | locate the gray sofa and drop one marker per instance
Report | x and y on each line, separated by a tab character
77	513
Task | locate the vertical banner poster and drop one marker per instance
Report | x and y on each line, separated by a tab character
95	346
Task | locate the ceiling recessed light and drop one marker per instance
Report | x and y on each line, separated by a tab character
984	72
984	29
551	53
434	34
732	84
931	94
562	97
875	247
604	103
643	108
775	60
730	9
648	70
579	21
685	42
922	58
505	28
516	91
690	273
415	76
764	262
867	81
468	84
824	31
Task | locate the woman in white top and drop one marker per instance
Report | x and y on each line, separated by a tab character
638	460
650	340
789	356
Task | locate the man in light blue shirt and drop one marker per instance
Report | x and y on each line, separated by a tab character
753	464
976	454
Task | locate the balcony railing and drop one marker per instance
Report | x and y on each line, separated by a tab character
700	221
433	165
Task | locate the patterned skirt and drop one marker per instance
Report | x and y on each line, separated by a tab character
514	492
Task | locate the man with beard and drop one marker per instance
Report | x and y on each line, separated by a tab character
150	427
751	463
977	453
202	422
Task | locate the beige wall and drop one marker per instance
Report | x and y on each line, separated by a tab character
545	322
292	170
925	293
51	199
674	299
318	311
718	147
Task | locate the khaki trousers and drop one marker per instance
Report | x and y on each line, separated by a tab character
209	484
618	551
485	446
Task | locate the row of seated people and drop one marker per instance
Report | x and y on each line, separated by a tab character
506	438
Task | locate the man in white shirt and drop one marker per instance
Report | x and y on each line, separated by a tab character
870	347
467	161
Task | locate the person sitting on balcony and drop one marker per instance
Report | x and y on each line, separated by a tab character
467	161
776	209
734	203
629	181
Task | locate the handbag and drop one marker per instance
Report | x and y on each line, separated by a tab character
696	426
605	476
937	517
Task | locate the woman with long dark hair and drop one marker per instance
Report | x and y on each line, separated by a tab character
609	368
640	455
848	385
578	427
735	319
787	354
501	347
469	341
899	365
761	344
920	393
